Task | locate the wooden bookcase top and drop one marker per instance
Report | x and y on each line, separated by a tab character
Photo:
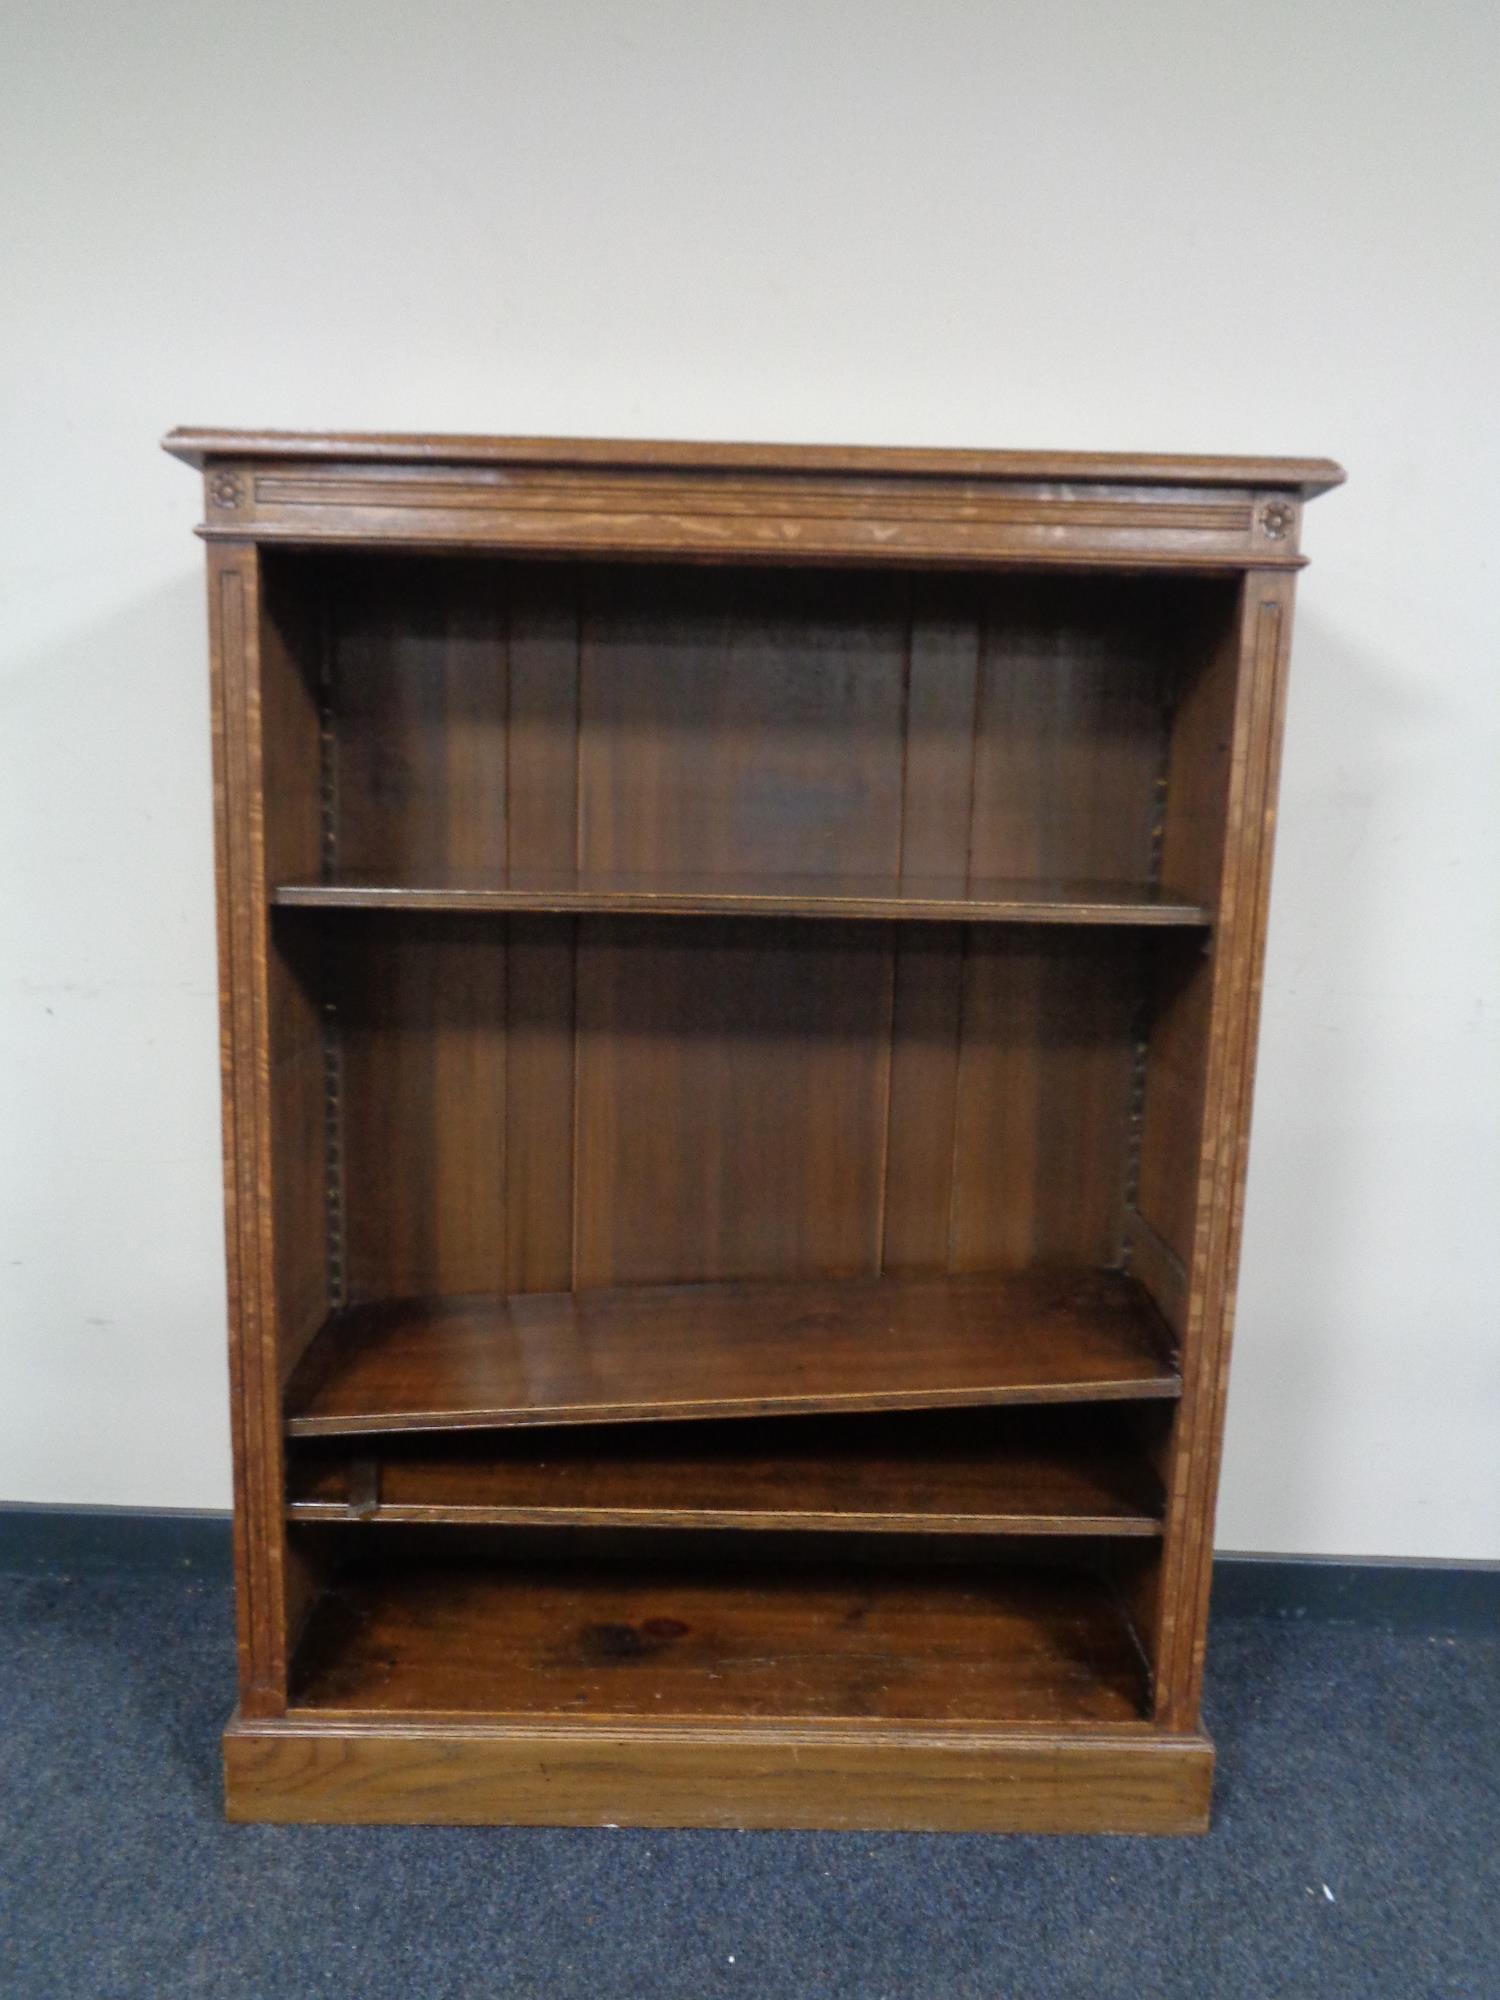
1307	476
784	504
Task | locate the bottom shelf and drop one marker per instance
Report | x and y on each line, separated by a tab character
715	1631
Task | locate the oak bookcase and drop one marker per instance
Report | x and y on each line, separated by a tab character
740	970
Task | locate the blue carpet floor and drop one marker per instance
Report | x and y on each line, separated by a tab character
1355	1851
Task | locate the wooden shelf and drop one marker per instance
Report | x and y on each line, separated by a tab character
961	1472
684	1351
925	898
698	1639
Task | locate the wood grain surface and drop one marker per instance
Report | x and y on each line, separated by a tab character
375	1771
921	898
1068	1472
745	1349
667	1636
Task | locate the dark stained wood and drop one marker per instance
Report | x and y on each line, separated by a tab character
540	1049
741	722
944	637
922	1103
729	1101
934	899
1040	1336
458	1052
1042	1100
699	1639
544	638
965	1473
420	671
1069	730
666	1102
424	1088
543	735
662	889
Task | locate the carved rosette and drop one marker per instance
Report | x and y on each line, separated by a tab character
225	489
1277	519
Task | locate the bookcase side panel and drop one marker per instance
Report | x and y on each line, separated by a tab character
1222	1008
261	721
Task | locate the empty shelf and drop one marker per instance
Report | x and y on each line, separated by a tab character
689	1639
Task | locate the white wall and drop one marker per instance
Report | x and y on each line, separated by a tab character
1180	225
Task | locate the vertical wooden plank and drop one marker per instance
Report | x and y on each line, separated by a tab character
541	969
731	1100
938	789
1043	1098
1239	951
541	962
923	1099
423	1005
1070	730
239	823
542	748
421	704
732	721
938	777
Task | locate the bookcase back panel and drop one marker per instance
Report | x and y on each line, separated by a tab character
730	1094
422	1018
747	722
420	671
1069	729
1042	1104
487	715
533	1104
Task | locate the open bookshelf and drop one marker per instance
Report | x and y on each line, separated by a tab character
739	976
